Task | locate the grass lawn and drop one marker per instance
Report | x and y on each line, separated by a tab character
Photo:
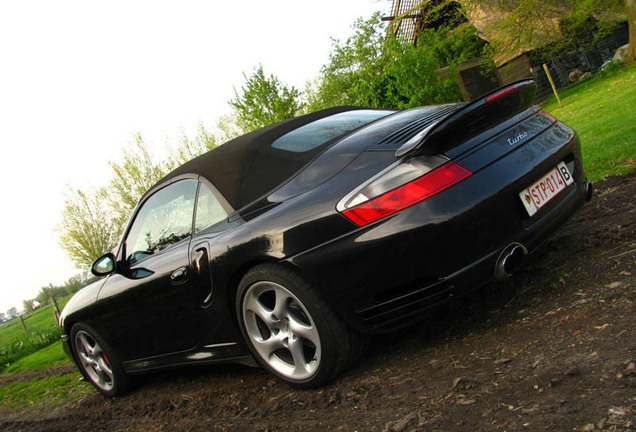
36	322
51	356
603	112
42	331
39	393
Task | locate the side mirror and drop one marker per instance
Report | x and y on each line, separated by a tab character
104	265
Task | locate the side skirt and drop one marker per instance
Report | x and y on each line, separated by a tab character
230	352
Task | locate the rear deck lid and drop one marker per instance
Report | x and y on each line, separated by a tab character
470	120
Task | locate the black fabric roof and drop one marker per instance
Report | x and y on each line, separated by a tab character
247	167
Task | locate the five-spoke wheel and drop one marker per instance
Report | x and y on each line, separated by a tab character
97	362
281	330
94	361
291	331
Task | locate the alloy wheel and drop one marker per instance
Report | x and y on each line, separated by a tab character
281	330
93	361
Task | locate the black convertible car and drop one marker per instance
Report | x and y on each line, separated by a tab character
291	243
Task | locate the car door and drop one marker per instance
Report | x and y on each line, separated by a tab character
152	304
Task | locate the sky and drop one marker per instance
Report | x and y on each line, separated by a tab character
79	78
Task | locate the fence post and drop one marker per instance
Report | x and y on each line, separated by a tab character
56	309
23	325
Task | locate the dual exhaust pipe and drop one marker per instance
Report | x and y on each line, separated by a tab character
510	260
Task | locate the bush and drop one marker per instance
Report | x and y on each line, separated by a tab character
373	69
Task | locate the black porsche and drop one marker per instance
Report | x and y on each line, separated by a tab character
290	244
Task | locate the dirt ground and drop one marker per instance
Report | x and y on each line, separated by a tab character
552	349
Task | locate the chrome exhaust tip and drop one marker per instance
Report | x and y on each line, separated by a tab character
510	260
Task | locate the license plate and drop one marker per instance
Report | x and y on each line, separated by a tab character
547	187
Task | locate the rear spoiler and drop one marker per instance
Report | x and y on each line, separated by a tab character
472	119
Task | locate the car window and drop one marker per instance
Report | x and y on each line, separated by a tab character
321	131
209	209
163	220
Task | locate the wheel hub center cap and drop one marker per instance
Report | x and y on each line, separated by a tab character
285	328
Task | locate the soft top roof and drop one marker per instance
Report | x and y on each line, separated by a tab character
247	167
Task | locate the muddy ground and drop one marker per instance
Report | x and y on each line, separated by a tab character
552	349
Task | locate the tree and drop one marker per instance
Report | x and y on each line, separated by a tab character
354	73
553	25
264	101
606	13
93	220
46	294
74	284
132	177
228	127
89	227
139	171
12	313
27	306
374	69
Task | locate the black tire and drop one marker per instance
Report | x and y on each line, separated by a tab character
291	331
98	362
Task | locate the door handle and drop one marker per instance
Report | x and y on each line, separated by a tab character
179	276
198	257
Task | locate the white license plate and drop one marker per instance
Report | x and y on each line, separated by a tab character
547	187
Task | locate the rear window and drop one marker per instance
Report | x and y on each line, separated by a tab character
248	167
319	132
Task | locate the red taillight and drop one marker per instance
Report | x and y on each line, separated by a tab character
408	194
549	116
500	94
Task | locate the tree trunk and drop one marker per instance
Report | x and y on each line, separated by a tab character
630	5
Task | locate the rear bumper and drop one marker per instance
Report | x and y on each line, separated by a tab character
408	303
386	274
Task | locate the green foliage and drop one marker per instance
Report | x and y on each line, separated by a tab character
228	127
88	227
354	68
264	101
373	69
601	110
425	74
